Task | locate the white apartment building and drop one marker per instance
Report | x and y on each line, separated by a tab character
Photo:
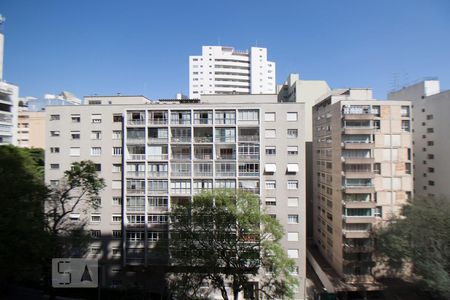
8	103
431	136
224	70
362	175
157	154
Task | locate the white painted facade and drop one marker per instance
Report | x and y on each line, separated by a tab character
431	136
224	70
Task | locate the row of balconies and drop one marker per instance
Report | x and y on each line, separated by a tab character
187	121
165	157
196	139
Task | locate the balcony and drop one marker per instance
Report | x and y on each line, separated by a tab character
248	138
357	145
157	140
358	130
225	121
359	204
181	139
225	139
136	122
226	157
358	249
355	234
226	173
136	141
358	113
358	174
178	156
357	160
358	219
135	174
249	174
135	191
157	157
254	156
180	191
157	174
138	157
135	208
159	191
203	121
203	139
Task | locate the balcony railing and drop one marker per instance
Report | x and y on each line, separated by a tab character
135	208
158	122
175	191
136	140
202	121
226	173
181	156
249	138
203	173
180	121
155	140
136	157
157	191
136	191
157	156
225	139
181	139
248	156
222	121
203	156
136	122
226	157
180	173
249	174
203	139
157	174
136	174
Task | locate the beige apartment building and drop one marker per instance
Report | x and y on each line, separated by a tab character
31	129
431	136
153	155
362	175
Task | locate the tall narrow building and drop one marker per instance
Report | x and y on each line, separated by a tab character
224	70
431	136
362	175
9	103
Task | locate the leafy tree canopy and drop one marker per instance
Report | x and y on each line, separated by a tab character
420	236
223	239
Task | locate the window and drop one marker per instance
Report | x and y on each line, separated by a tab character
293	253
292	236
270	168
96	135
54	149
55	133
430	130
117	168
116	218
117	200
74	151
377	168
292	116
116	151
117	118
95	218
96	234
292	133
292	184
248	115
95	102
116	251
292	201
270	133
74	216
405	125
117	134
75	118
271	184
54	117
271	150
292	219
116	184
154	236
429	117
269	116
378	211
430	156
158	219
117	234
292	168
404	111
430	169
271	201
96	118
98	167
292	150
431	182
430	143
54	166
75	135
96	151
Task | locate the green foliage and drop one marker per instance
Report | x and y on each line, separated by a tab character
22	236
38	156
421	237
77	191
223	237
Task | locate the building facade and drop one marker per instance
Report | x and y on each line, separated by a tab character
362	175
431	136
31	129
224	70
153	156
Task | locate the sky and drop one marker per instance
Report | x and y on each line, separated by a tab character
141	47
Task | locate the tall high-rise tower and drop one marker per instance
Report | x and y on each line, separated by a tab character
224	70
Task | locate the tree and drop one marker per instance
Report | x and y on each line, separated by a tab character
420	237
77	190
22	237
224	238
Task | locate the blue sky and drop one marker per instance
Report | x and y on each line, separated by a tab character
142	47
